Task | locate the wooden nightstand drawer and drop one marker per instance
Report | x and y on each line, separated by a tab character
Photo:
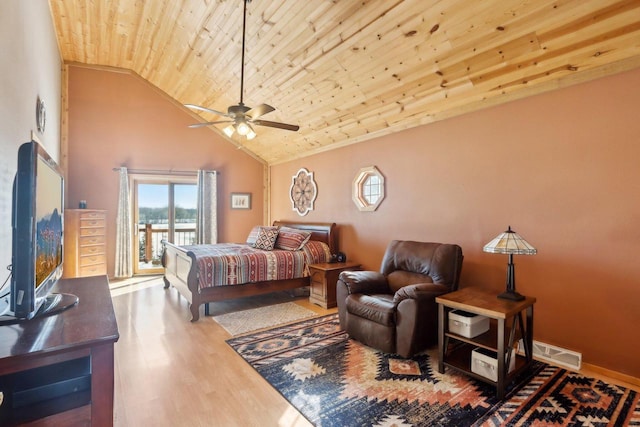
317	276
323	279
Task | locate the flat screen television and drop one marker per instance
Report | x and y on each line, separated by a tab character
37	220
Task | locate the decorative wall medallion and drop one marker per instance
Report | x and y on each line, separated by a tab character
41	115
303	191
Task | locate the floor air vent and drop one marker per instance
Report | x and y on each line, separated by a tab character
555	355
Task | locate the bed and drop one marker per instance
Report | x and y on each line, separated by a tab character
185	270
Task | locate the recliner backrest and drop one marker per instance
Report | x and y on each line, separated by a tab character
407	262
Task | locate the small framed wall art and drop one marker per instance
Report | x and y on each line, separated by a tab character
240	200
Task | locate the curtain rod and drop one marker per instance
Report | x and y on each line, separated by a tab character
161	172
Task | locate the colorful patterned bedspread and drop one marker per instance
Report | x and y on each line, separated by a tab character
225	264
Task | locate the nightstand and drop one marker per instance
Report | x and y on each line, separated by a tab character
323	281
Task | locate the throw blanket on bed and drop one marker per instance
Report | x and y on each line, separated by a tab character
225	264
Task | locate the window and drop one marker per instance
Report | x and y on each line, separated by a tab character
164	209
368	189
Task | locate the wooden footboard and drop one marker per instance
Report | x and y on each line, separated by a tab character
181	272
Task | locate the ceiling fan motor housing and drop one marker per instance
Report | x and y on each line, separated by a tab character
237	110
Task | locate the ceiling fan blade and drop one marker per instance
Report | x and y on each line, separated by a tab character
260	110
208	110
276	125
201	125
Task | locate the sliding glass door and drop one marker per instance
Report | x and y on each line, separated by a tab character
163	209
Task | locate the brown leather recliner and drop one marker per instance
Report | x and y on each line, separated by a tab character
395	310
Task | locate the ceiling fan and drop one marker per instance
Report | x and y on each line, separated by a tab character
242	117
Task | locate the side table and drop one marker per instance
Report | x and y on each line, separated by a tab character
323	281
507	325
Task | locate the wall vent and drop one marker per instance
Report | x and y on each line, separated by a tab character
554	355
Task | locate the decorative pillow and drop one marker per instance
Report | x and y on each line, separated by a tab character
266	238
291	239
253	235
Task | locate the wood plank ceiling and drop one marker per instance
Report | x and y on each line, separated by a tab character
346	70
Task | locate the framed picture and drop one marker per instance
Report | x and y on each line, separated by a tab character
240	200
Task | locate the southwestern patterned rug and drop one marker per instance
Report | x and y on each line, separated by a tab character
334	381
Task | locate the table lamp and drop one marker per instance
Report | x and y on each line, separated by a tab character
510	242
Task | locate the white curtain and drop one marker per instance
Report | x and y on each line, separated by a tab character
207	227
124	261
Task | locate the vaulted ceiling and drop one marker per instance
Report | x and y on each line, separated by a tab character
346	70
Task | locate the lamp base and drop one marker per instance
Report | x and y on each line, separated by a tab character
511	295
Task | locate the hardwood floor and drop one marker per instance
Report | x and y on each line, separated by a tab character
171	372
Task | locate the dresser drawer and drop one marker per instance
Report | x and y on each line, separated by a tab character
92	215
92	270
92	231
91	250
91	240
92	259
92	223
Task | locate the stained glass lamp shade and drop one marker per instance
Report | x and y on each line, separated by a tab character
510	243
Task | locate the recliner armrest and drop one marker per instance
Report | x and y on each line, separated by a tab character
365	282
420	291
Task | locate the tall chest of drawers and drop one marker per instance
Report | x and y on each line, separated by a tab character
85	242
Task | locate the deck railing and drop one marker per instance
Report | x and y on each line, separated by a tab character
150	240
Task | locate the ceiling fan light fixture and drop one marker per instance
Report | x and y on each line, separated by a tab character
229	130
242	128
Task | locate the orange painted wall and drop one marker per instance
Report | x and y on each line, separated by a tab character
561	168
118	119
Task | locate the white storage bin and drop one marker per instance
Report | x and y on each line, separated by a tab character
485	362
467	324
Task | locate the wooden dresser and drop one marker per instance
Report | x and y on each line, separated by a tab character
85	242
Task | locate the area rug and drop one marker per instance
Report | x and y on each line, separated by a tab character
334	381
241	322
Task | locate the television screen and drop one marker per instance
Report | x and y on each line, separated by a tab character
48	221
37	233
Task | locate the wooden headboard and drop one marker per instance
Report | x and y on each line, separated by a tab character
321	231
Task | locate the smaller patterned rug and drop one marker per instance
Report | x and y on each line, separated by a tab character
335	381
241	322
